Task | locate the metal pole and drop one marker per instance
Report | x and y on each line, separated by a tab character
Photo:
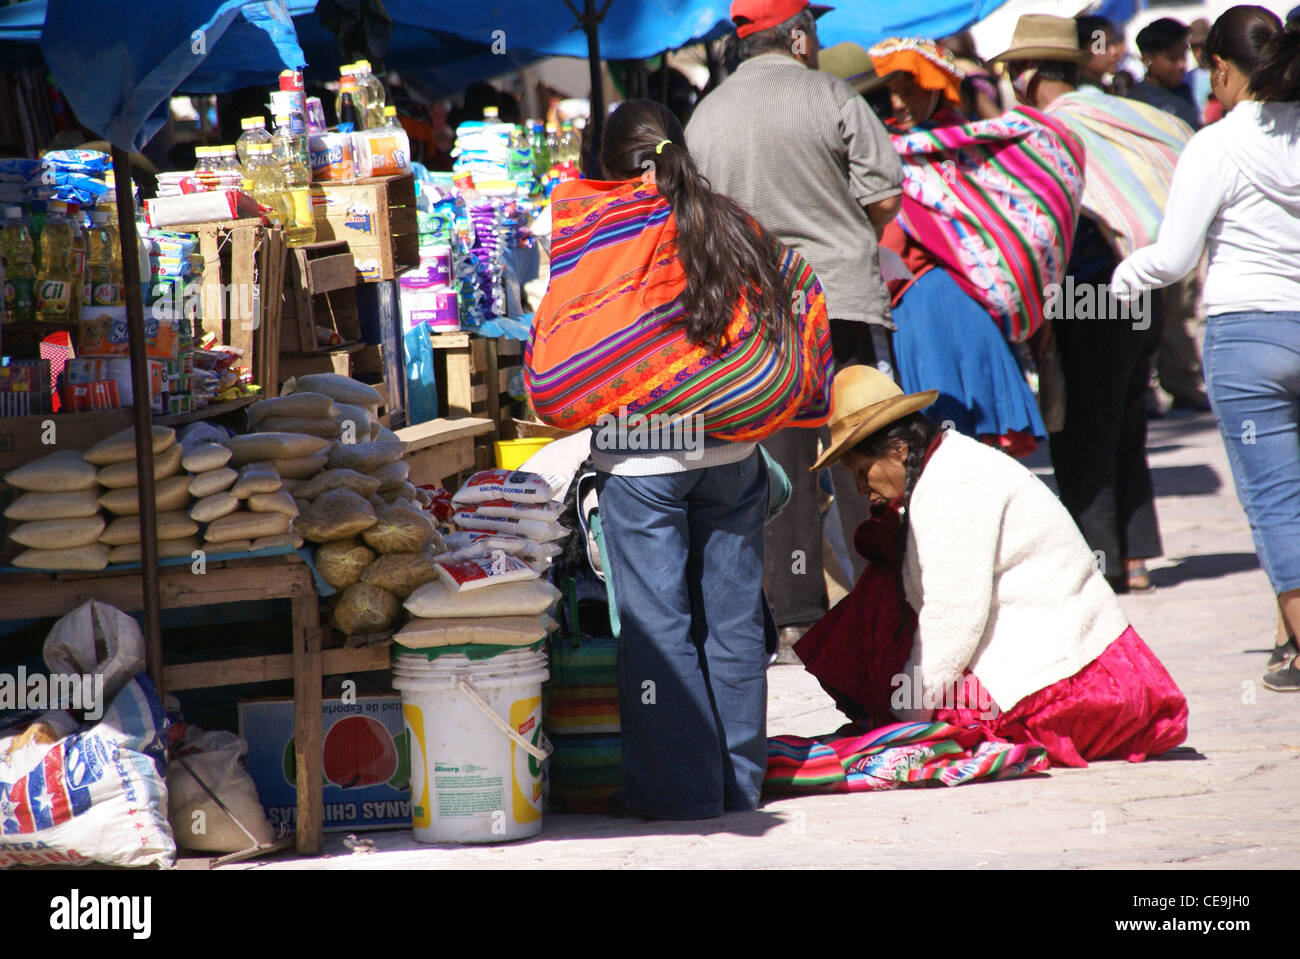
143	418
591	23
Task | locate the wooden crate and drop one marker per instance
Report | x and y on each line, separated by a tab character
242	291
376	218
473	375
440	450
319	291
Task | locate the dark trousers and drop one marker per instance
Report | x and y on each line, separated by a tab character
1100	456
793	575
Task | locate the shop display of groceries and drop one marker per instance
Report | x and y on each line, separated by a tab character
489	586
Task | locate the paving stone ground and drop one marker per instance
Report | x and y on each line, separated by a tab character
1226	802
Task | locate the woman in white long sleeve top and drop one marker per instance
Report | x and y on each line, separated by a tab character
1237	188
1015	627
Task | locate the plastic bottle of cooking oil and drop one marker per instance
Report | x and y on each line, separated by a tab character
300	228
20	255
372	91
254	132
58	285
266	183
104	270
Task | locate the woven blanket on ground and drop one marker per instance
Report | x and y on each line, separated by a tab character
995	202
608	337
902	754
1132	150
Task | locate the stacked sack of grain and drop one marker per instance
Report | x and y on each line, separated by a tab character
58	514
489	588
115	458
254	511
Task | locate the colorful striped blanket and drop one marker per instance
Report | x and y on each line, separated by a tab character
1132	150
607	338
902	754
995	202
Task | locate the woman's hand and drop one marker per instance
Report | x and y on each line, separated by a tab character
1124	283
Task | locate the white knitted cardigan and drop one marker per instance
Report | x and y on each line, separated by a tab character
1002	580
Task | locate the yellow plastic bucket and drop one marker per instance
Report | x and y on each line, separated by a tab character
511	454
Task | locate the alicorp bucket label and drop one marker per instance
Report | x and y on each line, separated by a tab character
526	785
413	716
465	790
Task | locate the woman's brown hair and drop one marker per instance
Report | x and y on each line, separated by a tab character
725	254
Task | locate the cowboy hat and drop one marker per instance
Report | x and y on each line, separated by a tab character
850	63
1041	36
864	400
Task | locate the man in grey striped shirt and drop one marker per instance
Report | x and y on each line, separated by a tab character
802	152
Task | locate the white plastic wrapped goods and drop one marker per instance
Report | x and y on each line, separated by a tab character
545	512
169	494
120	447
58	533
125	530
362	420
214	758
325	427
541	530
29	506
212	481
167	549
93	796
335	514
120	475
253	447
305	405
464	544
213	507
63	471
364	457
344	389
255	478
337	479
469	574
98	639
246	526
437	600
493	631
204	456
514	485
81	558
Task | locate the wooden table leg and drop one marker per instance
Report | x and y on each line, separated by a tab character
309	749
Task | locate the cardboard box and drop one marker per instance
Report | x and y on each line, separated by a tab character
377	219
366	761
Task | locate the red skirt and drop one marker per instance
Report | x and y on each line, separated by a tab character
1122	705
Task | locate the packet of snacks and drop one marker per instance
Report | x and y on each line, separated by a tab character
513	485
537	529
469	543
478	572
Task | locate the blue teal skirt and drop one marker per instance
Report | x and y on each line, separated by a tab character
947	342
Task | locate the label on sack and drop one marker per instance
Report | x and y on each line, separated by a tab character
516	486
546	512
467	574
466	544
536	529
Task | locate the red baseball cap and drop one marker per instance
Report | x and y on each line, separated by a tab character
751	16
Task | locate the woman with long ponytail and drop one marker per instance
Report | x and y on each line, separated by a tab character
1237	189
681	334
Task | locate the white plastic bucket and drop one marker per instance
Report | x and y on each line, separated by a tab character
471	779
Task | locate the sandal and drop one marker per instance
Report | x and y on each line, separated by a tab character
1282	656
1136	576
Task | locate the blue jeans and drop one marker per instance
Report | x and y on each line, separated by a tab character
1252	376
686	551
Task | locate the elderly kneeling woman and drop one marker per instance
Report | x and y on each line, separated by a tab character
982	603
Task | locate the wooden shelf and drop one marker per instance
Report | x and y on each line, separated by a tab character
209	412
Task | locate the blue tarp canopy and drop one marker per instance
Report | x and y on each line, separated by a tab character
118	73
631	30
870	21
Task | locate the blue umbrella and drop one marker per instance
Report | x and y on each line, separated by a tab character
869	21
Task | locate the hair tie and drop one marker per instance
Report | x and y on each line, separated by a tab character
662	144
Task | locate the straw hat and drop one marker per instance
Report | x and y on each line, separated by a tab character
1041	36
863	400
849	62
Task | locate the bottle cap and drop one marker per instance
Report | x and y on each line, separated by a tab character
282	119
390	111
57	206
491	113
362	64
252	123
349	86
347	70
551	128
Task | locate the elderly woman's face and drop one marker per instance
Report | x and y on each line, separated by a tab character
912	104
882	479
